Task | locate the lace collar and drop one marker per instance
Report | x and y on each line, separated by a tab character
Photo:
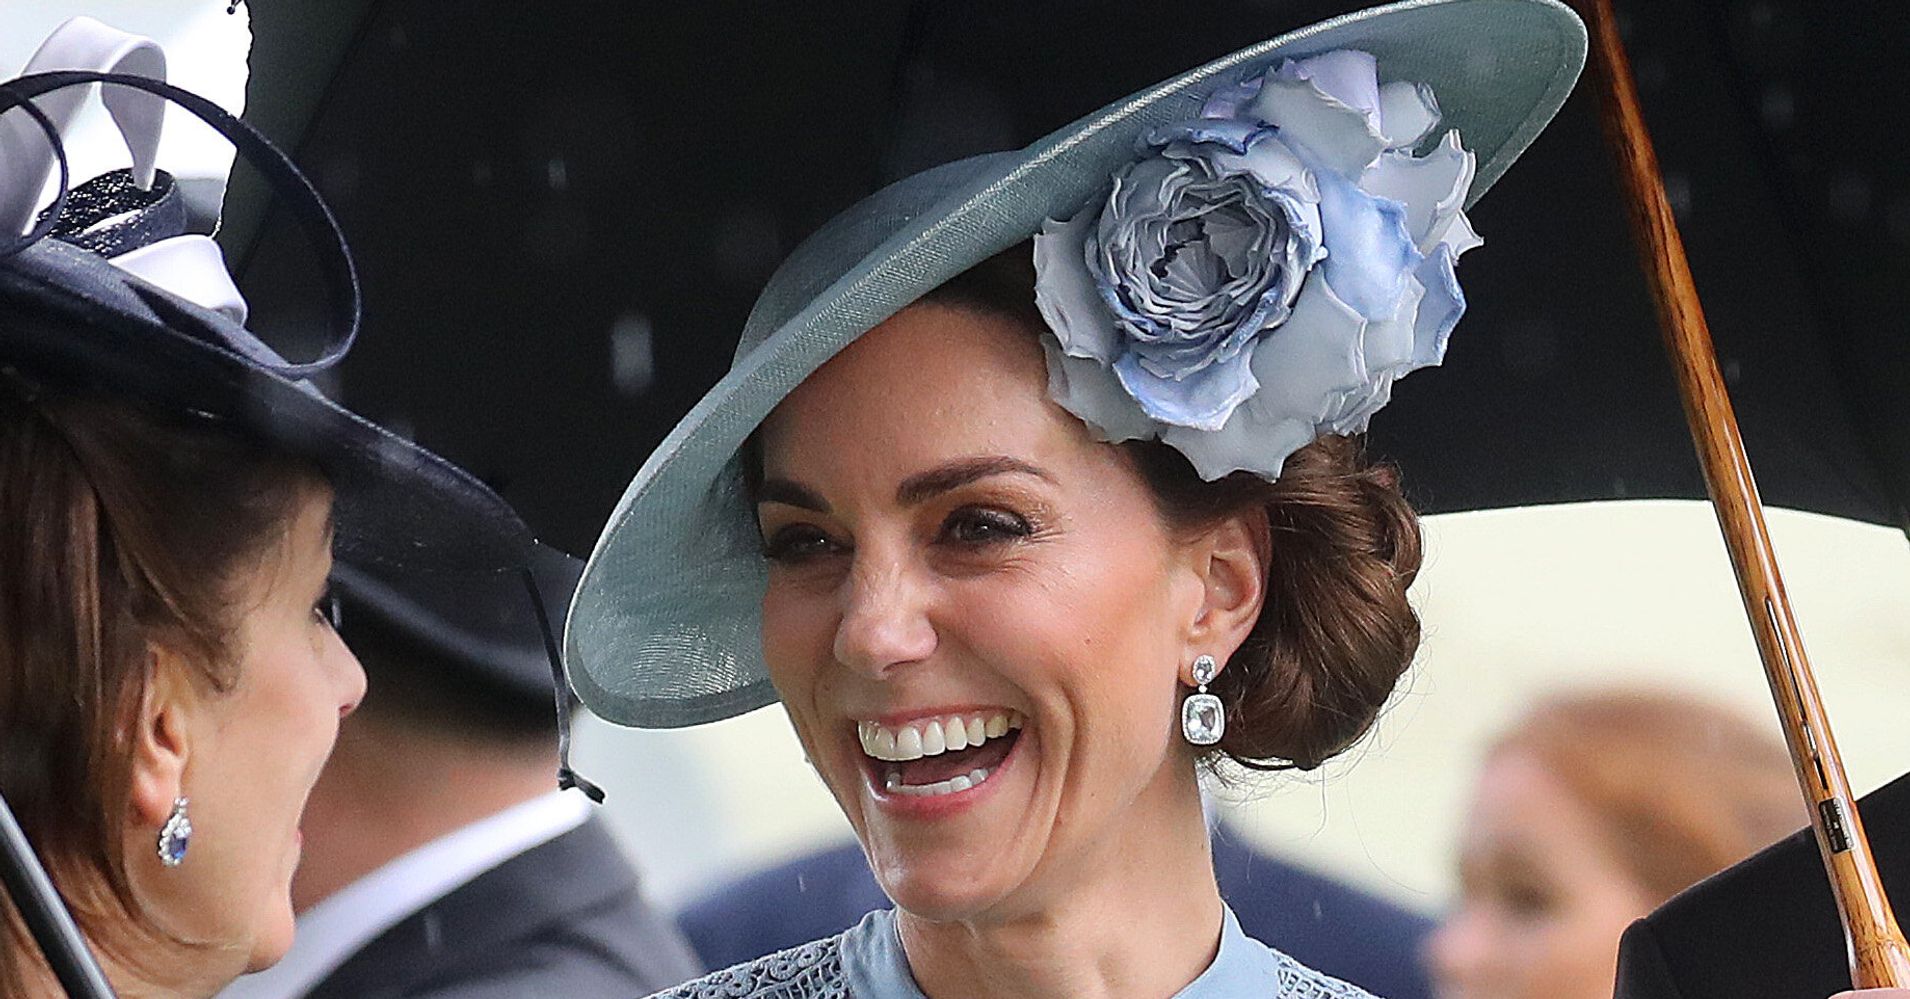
874	965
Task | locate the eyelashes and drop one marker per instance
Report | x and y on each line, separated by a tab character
968	529
326	608
981	526
796	544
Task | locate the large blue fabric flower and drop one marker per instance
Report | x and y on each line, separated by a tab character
1262	273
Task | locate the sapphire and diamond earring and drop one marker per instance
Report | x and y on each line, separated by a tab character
175	835
1202	720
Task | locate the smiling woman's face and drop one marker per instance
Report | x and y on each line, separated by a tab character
257	750
953	560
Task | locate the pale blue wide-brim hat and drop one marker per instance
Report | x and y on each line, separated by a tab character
665	629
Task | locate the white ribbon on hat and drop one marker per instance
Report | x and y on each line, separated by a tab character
190	266
26	160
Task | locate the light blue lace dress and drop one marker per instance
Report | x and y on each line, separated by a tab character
866	962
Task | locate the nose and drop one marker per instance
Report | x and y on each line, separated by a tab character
885	622
350	673
1455	952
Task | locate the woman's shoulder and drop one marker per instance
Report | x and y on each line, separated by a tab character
810	971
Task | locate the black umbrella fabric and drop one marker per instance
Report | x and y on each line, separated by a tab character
564	215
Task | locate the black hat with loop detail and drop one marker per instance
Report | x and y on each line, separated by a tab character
76	314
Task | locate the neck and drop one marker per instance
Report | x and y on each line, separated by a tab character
387	791
1138	915
153	968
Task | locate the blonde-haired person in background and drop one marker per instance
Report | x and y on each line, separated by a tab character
1590	812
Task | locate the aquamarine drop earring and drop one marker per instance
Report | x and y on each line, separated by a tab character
1202	720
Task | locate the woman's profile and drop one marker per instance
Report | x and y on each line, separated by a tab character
1590	811
1035	489
171	493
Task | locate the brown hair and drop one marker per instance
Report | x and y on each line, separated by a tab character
1683	787
119	530
1337	631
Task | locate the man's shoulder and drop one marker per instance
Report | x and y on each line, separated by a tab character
566	915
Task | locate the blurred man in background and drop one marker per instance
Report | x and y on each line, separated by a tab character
439	858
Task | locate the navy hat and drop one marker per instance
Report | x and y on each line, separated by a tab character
74	318
484	631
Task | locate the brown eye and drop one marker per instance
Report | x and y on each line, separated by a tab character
798	543
983	526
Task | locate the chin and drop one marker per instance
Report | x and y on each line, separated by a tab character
272	942
939	899
950	882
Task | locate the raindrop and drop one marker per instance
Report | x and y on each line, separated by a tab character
396	36
1733	371
633	363
1678	192
1849	197
1762	15
1780	107
1620	489
481	173
557	174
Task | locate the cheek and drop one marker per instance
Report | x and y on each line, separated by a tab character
1089	634
798	634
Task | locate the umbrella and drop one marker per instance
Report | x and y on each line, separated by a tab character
580	207
669	183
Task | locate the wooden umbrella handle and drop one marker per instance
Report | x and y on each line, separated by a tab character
1878	954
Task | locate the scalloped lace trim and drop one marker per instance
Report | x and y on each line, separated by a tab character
814	971
811	971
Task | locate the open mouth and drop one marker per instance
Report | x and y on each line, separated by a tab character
946	754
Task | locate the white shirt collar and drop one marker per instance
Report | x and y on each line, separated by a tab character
334	929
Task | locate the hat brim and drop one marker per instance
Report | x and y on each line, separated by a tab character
479	628
664	631
402	514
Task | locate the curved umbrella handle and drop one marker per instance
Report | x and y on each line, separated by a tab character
1879	955
47	920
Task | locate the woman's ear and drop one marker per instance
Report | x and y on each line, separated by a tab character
1235	555
161	737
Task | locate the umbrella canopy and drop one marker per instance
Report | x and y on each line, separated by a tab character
577	209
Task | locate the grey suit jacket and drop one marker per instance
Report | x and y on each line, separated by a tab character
561	919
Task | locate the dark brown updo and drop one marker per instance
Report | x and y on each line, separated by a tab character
1336	632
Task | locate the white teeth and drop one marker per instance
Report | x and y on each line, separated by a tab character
960	782
908	743
933	736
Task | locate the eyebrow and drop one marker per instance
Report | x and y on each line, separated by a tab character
914	489
788	493
957	474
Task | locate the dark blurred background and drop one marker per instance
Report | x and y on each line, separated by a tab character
562	213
